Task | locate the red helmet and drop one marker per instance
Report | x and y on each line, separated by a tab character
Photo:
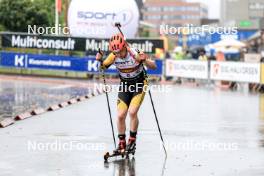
117	42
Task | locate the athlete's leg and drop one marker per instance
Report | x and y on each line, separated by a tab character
134	106
133	110
121	116
136	101
122	109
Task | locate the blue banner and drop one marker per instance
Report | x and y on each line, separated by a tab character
57	62
206	38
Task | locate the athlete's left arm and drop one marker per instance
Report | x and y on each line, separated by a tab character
144	58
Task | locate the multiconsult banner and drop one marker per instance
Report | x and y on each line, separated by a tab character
89	45
235	71
57	62
187	68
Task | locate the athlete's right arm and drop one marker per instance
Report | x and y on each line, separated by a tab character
106	62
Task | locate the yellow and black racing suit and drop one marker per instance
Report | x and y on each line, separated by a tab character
133	79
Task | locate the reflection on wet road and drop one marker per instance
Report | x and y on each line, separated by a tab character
127	167
19	96
207	132
123	167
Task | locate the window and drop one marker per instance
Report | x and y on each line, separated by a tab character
154	9
165	17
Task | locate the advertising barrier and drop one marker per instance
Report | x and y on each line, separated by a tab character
88	45
235	71
187	69
226	71
57	62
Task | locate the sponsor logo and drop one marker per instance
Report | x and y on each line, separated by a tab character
191	67
20	60
236	71
96	15
124	17
70	43
92	65
216	69
92	44
34	42
49	62
242	70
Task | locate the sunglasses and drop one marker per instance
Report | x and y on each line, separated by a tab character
120	51
116	53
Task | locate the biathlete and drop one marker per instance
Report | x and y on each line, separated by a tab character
130	65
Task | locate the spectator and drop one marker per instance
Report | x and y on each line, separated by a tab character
202	56
187	55
220	56
262	56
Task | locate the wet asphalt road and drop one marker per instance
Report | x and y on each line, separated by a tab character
207	132
19	96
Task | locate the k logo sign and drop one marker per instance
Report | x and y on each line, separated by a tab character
20	60
92	66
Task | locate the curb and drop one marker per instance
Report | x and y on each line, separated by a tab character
54	107
63	104
72	101
4	122
37	111
81	98
23	116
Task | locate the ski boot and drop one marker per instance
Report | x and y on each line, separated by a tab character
121	149
131	146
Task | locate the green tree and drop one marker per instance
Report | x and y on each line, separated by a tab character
16	15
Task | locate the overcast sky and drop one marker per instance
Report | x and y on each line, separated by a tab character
213	7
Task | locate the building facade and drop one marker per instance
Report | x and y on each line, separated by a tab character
245	14
174	12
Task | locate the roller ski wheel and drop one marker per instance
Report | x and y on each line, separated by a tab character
125	154
106	156
114	154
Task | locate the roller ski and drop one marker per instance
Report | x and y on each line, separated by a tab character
123	150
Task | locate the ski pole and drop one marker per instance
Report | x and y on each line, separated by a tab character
156	117
107	98
118	25
155	114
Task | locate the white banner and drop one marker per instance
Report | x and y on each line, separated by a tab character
96	18
187	68
235	71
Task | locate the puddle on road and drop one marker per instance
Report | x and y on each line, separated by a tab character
17	96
